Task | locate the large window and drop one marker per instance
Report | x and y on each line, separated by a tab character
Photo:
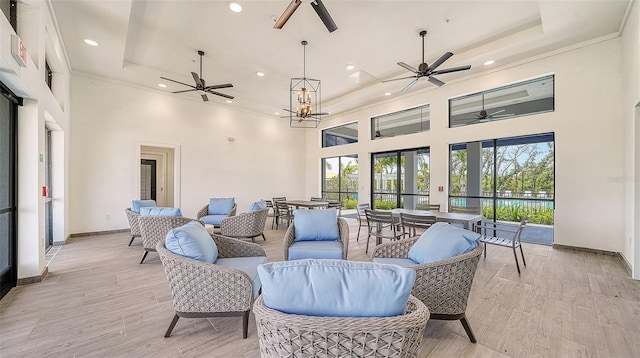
400	179
344	134
508	179
340	180
414	120
516	100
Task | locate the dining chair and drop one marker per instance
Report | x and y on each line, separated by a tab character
490	236
271	213
274	200
411	222
382	225
362	217
284	213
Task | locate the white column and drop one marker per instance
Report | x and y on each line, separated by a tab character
410	184
474	172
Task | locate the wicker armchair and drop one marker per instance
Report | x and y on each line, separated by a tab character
154	229
289	335
201	289
133	223
343	229
441	285
246	225
205	211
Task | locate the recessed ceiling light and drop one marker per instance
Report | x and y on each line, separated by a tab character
276	113
235	7
489	62
388	94
229	101
350	67
162	85
260	74
90	42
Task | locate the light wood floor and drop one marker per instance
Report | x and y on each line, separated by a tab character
99	302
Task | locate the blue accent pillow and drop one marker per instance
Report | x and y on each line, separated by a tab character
257	205
316	225
442	241
160	211
137	204
336	288
192	240
221	206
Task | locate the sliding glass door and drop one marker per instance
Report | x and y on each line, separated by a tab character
400	179
8	269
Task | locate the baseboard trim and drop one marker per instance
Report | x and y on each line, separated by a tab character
586	249
626	264
33	279
98	233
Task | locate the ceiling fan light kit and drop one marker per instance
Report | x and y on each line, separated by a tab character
426	71
200	84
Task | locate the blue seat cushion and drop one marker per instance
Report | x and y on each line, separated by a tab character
214	220
160	211
220	206
137	204
442	241
336	288
315	250
248	265
257	206
394	261
316	225
193	241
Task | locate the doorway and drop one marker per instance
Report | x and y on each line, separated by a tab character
48	202
158	174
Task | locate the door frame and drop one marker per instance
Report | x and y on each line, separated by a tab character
176	168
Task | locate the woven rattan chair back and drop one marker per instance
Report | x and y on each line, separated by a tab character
343	234
154	229
497	234
289	335
132	217
246	225
412	225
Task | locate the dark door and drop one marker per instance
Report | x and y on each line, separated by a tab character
48	202
147	179
8	171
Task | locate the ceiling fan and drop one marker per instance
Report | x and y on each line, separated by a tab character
317	5
424	70
484	116
200	85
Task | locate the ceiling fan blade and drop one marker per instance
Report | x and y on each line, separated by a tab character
452	69
396	79
189	90
287	13
494	113
322	12
182	83
205	98
405	66
224	85
410	85
220	94
197	79
284	109
319	114
440	61
436	81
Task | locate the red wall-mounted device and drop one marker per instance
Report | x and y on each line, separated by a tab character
44	191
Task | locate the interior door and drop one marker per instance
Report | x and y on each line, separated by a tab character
8	171
148	180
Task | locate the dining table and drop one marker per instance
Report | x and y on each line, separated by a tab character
309	204
468	221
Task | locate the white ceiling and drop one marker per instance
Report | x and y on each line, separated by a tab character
142	40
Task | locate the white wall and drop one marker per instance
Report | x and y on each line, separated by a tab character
587	122
37	29
110	119
631	116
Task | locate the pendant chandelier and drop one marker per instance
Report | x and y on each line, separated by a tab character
304	100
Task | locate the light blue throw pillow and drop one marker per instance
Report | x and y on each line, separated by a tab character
336	288
160	211
316	225
257	206
137	204
221	206
442	241
192	240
